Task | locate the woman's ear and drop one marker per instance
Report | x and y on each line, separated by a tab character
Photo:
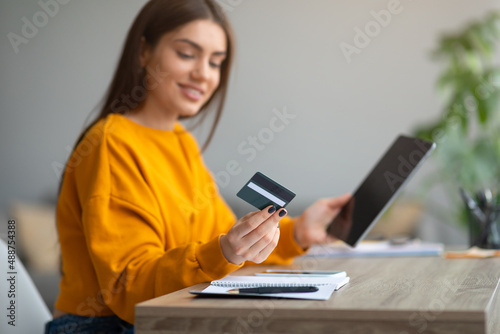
144	52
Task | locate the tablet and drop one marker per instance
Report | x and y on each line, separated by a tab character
379	189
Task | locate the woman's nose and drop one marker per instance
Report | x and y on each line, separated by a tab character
201	71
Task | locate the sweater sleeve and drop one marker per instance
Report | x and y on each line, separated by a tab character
130	260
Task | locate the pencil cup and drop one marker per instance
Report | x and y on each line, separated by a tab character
483	212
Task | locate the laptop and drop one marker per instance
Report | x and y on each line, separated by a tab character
379	189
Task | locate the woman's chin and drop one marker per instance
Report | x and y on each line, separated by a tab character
189	113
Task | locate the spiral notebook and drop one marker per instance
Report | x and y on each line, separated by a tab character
326	286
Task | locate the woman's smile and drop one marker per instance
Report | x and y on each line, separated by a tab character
191	91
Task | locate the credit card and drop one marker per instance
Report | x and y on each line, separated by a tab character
261	192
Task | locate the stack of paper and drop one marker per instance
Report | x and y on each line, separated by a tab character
376	248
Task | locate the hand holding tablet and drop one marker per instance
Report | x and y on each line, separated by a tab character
379	189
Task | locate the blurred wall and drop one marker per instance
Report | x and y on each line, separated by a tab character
319	88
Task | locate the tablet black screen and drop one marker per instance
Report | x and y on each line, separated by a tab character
379	189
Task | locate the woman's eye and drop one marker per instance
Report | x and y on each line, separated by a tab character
214	65
184	55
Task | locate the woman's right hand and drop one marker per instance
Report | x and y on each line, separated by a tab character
253	237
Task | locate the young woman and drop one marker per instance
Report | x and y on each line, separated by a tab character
139	214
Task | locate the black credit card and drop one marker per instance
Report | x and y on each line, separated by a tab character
261	192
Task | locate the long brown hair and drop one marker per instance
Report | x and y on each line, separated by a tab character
157	17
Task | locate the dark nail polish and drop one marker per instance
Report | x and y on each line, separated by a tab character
282	213
271	209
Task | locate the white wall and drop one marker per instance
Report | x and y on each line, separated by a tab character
289	57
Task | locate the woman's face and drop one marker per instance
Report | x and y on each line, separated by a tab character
186	65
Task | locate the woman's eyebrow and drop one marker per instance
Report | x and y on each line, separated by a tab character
197	46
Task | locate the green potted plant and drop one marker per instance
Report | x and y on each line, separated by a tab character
467	131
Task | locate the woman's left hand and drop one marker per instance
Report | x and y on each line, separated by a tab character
310	227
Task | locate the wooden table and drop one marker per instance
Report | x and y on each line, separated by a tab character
385	295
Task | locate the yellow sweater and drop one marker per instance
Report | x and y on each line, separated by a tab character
139	216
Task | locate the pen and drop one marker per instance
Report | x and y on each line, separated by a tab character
473	207
275	289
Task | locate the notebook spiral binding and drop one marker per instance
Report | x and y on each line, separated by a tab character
260	285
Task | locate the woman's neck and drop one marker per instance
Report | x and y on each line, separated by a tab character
153	117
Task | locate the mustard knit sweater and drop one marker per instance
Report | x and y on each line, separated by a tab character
139	216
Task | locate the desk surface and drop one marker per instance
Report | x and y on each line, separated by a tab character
385	295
